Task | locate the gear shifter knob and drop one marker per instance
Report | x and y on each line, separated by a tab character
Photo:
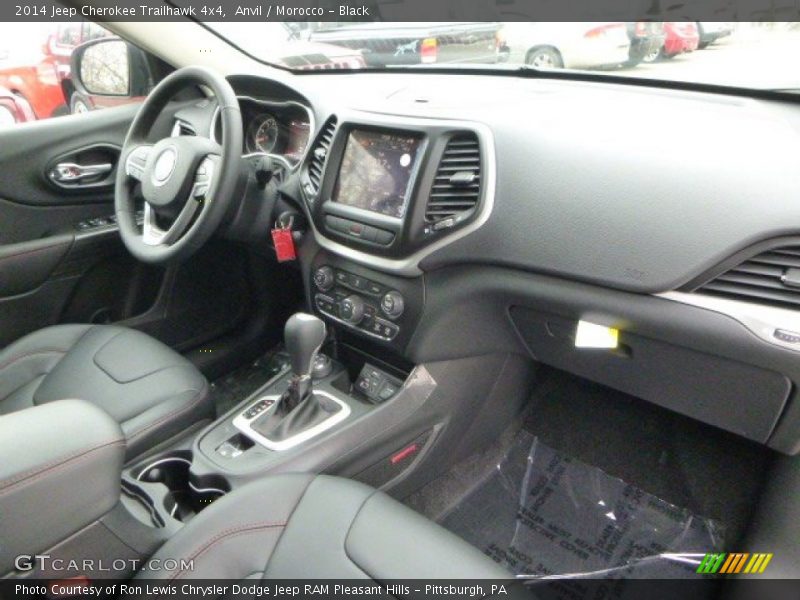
303	336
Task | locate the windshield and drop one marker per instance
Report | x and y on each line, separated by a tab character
764	55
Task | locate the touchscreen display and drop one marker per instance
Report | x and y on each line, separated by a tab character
376	171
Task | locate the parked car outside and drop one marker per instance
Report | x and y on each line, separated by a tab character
679	37
570	45
28	71
290	44
14	109
391	44
711	31
646	37
60	45
34	64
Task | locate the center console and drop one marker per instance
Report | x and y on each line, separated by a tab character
323	397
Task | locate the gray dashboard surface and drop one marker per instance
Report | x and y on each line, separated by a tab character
629	187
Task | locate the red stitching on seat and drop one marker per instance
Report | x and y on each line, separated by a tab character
36	473
194	401
251	527
28	354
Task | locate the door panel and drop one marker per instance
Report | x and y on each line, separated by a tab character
28	151
61	256
43	253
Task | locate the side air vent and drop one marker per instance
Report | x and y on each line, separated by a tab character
772	277
457	186
320	152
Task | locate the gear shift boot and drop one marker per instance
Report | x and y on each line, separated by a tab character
279	425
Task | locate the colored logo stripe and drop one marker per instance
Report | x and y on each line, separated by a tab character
758	563
734	563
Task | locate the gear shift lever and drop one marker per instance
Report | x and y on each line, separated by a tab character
299	410
303	336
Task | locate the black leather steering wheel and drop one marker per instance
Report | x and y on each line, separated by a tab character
188	182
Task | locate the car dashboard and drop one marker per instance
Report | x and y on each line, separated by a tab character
446	218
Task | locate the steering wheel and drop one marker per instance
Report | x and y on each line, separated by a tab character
187	182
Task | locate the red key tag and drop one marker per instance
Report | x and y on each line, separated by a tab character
284	244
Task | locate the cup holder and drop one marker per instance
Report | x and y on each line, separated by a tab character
184	497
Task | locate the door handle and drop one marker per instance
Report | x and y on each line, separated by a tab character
70	172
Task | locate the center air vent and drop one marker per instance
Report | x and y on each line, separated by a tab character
457	186
772	277
319	152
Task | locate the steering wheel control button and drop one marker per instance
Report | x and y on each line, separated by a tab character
789	337
392	304
137	160
324	278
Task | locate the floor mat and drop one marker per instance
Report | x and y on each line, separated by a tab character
543	514
229	390
685	462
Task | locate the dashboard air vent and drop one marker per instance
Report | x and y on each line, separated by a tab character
182	128
457	184
771	277
319	152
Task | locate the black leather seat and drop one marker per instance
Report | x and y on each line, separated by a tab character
318	527
149	389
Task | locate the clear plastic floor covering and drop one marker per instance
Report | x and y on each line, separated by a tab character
544	515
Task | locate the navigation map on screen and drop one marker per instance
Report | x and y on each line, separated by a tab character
376	171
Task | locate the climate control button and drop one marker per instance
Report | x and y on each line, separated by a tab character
351	310
392	304
323	278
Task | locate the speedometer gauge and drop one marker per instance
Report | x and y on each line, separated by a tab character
263	133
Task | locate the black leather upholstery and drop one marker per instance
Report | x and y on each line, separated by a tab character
319	527
150	390
60	472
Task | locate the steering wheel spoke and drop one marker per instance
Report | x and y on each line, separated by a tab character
154	235
136	161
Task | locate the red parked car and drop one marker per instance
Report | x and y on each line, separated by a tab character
35	63
679	37
14	109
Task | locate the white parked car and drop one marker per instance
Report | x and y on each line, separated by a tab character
567	45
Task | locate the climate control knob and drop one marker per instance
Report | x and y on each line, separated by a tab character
323	278
351	310
392	304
